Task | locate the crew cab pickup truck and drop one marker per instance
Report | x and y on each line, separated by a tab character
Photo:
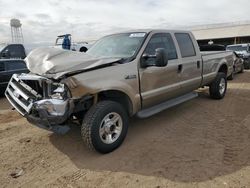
138	73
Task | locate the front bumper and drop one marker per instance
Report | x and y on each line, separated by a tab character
50	114
48	122
46	117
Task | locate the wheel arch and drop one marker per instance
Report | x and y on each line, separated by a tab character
223	68
117	96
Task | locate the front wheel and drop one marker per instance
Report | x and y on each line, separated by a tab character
218	87
105	126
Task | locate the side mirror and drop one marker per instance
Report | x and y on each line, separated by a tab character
161	58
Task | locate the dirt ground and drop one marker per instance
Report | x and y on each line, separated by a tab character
201	143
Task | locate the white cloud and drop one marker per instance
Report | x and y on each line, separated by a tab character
44	20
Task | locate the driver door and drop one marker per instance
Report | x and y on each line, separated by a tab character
159	84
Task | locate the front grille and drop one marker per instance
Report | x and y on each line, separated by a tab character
21	95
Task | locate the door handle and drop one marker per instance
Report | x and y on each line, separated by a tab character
198	64
180	68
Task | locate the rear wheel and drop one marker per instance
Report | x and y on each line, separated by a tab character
105	126
219	86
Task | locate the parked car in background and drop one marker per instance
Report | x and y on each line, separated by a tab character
65	42
238	66
8	67
243	51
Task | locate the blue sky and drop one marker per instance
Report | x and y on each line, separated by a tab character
44	20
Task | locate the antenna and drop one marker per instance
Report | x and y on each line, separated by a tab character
16	31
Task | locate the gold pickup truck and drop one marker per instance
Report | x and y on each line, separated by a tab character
122	75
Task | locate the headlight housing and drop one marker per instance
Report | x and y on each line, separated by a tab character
58	91
56	99
55	107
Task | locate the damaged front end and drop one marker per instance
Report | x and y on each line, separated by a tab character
43	102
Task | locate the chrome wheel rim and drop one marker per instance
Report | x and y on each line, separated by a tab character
222	86
110	128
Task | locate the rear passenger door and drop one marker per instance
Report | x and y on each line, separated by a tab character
190	67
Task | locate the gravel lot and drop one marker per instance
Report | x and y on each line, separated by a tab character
201	143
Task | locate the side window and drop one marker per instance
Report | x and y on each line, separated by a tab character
162	40
16	51
186	45
170	47
15	65
2	66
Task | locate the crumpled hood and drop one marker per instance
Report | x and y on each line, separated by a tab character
54	63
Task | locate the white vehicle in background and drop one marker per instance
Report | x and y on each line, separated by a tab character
65	42
243	51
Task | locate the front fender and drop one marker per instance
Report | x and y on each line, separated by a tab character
80	88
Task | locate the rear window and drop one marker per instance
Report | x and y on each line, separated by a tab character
186	45
213	47
15	65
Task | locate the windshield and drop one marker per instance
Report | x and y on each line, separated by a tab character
118	46
237	48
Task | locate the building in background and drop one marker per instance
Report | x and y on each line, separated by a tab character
226	34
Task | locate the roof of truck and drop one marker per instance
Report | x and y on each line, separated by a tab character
152	30
149	31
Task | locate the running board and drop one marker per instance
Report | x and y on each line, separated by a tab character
165	105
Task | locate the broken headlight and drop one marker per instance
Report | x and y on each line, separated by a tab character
55	107
58	91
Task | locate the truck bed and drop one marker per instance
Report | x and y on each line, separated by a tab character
211	60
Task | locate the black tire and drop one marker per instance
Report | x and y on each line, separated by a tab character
92	123
214	88
83	49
